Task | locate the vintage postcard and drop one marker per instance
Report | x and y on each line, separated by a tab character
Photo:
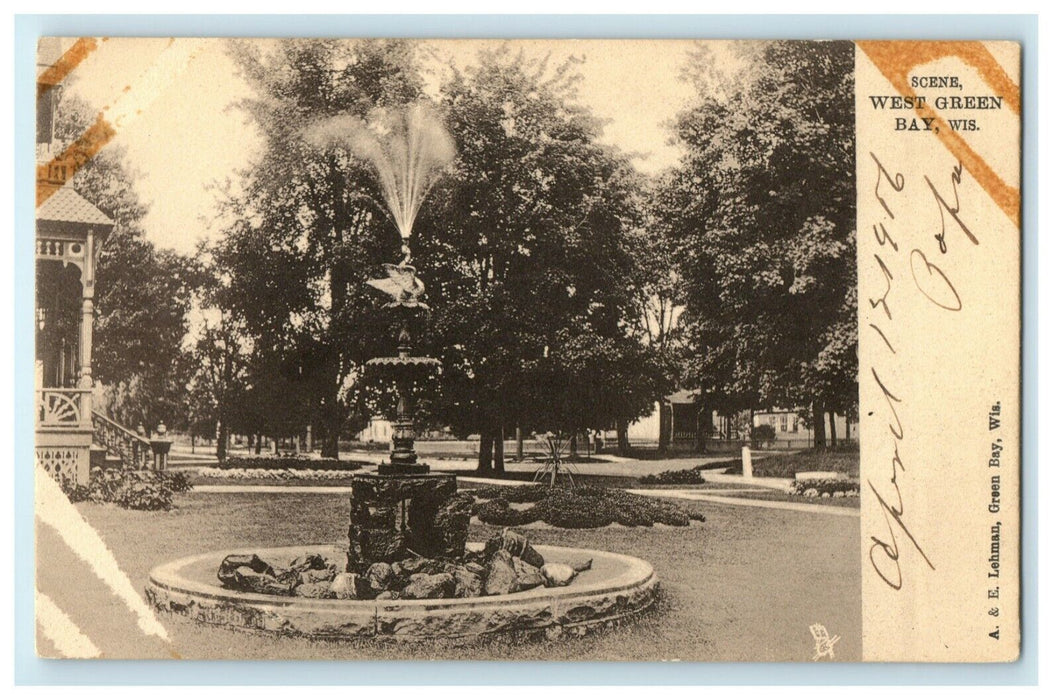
631	350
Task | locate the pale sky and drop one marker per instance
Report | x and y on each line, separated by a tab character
181	133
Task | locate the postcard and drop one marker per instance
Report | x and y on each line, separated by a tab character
580	350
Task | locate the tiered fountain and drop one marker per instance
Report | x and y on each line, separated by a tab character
409	571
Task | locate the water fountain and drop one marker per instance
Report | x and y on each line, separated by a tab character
409	571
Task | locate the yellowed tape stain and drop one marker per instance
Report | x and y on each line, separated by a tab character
70	59
897	60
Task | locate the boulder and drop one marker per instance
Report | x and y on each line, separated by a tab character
317	575
557	574
253	582
379	576
468	583
314	590
251	562
309	562
475	568
344	586
449	525
500	574
412	565
581	566
429	586
387	595
527	576
286	580
516	544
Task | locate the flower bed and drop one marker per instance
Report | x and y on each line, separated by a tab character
673	476
827	488
285	474
582	507
292	463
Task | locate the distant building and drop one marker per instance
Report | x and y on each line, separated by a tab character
683	421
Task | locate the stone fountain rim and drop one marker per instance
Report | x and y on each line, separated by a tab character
638	573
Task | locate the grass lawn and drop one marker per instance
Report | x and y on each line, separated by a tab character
785	464
744	585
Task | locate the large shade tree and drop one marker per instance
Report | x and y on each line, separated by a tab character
762	208
305	229
526	252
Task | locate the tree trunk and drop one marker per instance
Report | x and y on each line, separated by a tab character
666	424
846	425
329	446
257	445
818	427
193	441
831	428
623	438
222	440
485	445
701	439
498	450
518	444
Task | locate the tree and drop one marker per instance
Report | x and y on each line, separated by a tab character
306	227
763	209
526	255
659	292
222	357
143	294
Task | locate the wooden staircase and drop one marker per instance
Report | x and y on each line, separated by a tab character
116	447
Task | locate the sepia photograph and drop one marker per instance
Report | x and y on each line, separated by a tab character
546	350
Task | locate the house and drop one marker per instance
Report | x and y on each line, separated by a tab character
70	231
683	420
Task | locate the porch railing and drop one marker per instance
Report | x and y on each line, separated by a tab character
62	408
134	450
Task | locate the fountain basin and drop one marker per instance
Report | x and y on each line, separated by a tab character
617	586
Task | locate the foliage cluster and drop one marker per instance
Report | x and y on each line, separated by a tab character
673	476
136	490
581	507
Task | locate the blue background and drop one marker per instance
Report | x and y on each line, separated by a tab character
31	670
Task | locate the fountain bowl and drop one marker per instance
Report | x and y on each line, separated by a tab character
616	587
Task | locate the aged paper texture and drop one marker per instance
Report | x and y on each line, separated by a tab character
535	350
939	323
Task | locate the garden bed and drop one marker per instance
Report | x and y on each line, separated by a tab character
293	464
576	508
786	464
292	477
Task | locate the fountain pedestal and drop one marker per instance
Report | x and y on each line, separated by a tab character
396	516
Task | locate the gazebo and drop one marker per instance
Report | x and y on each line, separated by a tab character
70	231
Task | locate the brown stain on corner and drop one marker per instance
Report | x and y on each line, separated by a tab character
61	169
71	58
896	60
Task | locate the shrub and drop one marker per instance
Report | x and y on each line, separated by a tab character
136	490
525	493
674	476
821	487
763	433
583	507
293	463
498	512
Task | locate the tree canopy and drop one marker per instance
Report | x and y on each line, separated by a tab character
143	294
762	206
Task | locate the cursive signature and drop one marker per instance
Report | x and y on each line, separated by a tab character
951	209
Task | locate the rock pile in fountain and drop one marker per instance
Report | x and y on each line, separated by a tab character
507	564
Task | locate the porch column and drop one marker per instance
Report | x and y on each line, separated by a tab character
87	314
